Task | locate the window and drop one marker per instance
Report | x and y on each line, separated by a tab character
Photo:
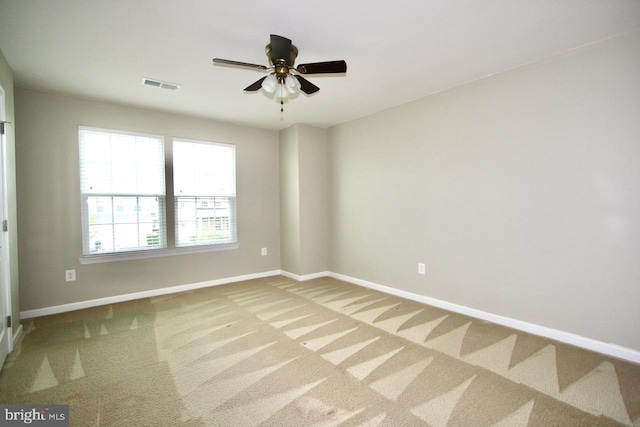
204	185
123	191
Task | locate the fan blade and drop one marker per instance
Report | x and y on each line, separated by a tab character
280	48
238	64
255	86
306	86
329	67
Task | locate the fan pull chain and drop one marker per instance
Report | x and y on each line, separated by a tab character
281	105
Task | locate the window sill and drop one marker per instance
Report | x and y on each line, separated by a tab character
127	256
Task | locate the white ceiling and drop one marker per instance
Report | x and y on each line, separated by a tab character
396	51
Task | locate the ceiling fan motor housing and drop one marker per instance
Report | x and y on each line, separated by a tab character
281	66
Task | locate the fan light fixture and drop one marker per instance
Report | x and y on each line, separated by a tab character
282	87
269	84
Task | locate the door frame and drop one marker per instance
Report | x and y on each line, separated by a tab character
5	278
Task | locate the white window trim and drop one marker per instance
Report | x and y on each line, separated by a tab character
155	253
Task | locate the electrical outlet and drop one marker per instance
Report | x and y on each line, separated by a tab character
263	252
422	269
70	275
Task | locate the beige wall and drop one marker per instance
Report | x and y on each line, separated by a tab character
303	205
49	202
289	201
6	81
313	198
520	192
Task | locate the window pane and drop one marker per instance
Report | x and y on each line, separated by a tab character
101	238
119	224
204	220
126	237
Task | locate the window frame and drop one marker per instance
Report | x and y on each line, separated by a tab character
113	194
168	204
213	201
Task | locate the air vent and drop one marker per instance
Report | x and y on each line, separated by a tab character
158	83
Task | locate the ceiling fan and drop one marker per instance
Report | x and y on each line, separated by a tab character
285	79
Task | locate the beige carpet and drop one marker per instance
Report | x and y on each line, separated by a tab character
319	353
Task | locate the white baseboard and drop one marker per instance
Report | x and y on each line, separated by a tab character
306	276
144	294
562	336
554	334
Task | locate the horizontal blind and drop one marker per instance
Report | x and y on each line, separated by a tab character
203	168
121	163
